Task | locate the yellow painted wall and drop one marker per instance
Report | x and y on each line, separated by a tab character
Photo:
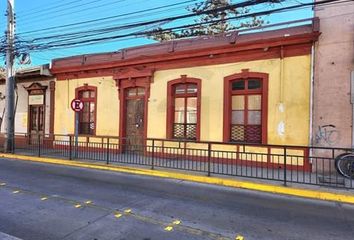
289	109
107	105
288	116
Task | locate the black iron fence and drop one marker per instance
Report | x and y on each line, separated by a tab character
288	164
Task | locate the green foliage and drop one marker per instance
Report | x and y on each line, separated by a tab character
219	24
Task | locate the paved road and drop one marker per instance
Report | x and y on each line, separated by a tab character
41	201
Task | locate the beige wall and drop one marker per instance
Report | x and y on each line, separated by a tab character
288	99
334	61
107	123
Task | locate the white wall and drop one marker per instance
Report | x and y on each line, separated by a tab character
21	117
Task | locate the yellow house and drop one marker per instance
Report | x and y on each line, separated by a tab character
244	88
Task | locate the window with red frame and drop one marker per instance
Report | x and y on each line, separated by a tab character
246	111
185	111
87	118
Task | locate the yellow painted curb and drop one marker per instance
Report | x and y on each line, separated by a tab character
313	194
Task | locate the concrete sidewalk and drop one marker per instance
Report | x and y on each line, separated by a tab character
328	179
343	196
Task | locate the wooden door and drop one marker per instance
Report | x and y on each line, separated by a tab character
36	122
135	125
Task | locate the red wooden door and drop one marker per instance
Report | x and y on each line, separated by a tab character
36	122
134	122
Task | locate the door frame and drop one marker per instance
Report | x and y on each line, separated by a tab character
123	112
36	89
144	131
130	78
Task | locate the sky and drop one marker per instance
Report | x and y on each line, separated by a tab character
33	15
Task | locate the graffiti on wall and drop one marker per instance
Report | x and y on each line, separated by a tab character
327	135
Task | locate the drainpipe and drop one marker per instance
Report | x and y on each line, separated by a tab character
352	102
312	93
312	83
281	76
281	107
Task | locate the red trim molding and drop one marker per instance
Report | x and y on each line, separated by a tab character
133	77
200	58
156	54
170	106
245	74
51	108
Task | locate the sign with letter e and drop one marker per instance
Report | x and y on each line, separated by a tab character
77	105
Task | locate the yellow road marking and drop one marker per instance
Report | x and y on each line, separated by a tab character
168	228
176	222
88	202
128	211
189	230
16	191
239	237
118	215
306	193
44	198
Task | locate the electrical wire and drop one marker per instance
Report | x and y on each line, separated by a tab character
146	11
50	11
147	33
69	44
168	19
37	9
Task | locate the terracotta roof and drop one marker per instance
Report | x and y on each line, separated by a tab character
170	48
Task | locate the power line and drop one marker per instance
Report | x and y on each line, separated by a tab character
54	16
147	33
168	19
56	10
108	18
92	41
36	9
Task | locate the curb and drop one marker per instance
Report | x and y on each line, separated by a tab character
290	191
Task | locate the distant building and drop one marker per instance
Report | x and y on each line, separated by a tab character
333	112
34	103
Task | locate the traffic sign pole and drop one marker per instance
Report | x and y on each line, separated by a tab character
77	105
76	134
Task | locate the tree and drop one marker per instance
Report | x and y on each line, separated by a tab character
219	24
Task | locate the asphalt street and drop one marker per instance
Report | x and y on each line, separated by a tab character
43	201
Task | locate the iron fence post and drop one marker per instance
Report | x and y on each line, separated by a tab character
107	157
70	148
152	154
331	165
209	158
39	144
285	154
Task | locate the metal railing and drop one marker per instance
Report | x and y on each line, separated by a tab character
288	164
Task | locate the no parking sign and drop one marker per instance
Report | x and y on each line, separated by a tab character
77	105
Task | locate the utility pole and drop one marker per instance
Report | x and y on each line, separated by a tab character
10	80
